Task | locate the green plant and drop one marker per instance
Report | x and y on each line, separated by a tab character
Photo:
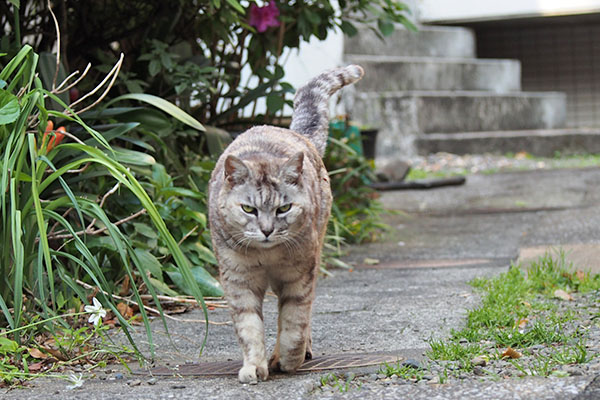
195	52
338	382
403	371
518	310
356	213
50	228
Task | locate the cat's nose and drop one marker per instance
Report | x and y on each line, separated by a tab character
267	231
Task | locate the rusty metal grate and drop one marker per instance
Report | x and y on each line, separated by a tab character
338	361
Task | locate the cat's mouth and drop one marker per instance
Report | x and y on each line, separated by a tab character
267	243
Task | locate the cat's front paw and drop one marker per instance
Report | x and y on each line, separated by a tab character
251	373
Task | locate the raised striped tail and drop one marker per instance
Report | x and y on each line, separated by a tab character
311	103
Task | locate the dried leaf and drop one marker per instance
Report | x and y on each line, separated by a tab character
56	353
521	155
580	275
371	261
37	353
561	294
36	367
522	324
125	310
124	286
511	353
111	322
182	309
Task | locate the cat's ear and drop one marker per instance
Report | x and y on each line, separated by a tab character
292	169
236	171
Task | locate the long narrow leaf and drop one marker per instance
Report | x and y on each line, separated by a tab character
163	105
41	223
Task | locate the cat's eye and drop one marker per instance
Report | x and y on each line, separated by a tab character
248	209
285	208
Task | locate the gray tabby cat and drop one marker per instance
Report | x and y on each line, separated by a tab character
269	202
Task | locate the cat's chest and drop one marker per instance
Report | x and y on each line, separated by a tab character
273	261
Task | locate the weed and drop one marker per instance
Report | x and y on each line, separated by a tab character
338	382
402	371
518	310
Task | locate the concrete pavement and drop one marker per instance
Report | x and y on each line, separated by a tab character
440	240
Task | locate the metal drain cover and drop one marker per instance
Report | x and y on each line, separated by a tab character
335	361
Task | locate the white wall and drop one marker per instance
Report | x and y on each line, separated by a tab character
472	10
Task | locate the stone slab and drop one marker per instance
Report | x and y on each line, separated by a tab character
394	73
402	117
429	41
543	143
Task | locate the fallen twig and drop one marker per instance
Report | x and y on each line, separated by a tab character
149	309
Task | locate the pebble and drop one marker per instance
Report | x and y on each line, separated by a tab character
373	377
411	364
118	375
309	386
152	381
474	163
135	382
479	361
183	386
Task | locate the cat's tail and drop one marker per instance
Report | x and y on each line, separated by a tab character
311	105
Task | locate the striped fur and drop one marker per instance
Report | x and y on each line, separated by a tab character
269	203
311	116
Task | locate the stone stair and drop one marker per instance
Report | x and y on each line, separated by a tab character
427	92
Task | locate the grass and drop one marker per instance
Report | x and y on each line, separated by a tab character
338	382
518	310
402	371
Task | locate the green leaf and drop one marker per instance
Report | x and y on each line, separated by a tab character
348	28
163	105
203	252
162	287
236	6
385	26
145	230
16	3
207	284
154	67
150	262
171	191
9	108
197	216
274	102
133	157
8	346
47	69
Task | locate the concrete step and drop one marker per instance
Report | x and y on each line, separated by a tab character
429	41
543	143
402	117
398	73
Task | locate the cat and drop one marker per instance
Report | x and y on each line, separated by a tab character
269	203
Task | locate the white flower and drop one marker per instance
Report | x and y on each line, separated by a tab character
96	312
77	381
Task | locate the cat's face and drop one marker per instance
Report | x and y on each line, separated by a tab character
265	205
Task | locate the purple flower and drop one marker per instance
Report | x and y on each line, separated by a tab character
263	17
